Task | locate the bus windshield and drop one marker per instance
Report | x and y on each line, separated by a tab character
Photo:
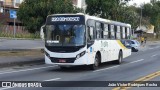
65	35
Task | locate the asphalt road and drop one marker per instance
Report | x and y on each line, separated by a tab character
138	65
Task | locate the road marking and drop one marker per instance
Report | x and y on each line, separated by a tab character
106	68
52	79
154	55
145	78
137	61
26	70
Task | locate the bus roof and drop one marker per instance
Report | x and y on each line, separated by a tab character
97	19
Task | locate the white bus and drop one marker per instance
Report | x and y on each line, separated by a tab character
79	39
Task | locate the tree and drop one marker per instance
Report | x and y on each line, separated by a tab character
129	15
33	13
100	8
114	10
152	12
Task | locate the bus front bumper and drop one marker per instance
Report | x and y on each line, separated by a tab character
67	61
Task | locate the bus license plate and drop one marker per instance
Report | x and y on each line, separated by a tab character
62	61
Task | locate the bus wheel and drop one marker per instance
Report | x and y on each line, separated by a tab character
96	63
120	57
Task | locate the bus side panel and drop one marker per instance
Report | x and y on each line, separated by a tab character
126	53
90	55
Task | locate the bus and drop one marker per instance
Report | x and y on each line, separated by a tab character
79	39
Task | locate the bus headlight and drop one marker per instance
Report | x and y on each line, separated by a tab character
80	55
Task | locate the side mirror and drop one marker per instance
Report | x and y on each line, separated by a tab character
42	32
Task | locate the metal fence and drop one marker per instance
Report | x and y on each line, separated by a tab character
7	31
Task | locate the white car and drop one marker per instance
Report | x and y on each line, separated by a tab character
135	45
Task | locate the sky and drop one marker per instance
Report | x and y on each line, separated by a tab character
138	2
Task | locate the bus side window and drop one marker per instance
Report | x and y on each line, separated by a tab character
118	32
90	33
98	30
115	32
123	32
112	32
102	30
126	32
109	31
106	32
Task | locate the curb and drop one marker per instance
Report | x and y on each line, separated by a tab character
21	63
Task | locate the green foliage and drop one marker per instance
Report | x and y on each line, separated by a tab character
152	11
114	10
21	35
33	13
128	15
101	8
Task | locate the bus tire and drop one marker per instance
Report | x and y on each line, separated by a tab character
120	57
96	63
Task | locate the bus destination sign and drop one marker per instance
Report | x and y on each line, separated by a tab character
57	19
65	19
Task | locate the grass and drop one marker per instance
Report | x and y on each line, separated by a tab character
21	53
20	35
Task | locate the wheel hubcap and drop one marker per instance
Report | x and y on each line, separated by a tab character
120	59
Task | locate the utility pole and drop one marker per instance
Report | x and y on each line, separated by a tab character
13	16
140	19
4	6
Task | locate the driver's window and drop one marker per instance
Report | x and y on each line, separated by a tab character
90	33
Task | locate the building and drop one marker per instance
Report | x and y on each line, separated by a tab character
9	4
80	4
6	22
